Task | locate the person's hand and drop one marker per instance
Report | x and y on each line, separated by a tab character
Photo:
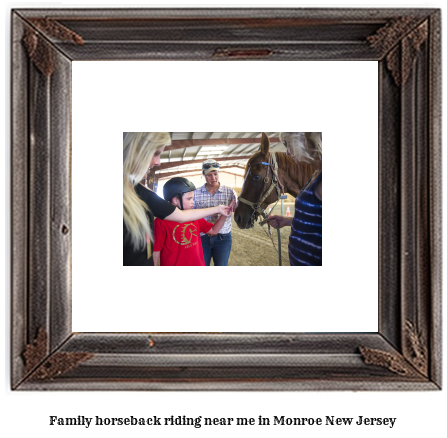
279	221
224	210
232	203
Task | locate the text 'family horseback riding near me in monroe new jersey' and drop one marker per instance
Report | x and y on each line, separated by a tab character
199	421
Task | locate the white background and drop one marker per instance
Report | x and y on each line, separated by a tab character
418	414
338	98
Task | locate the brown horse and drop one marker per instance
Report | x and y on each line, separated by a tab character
259	175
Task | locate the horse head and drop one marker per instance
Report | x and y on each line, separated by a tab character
257	179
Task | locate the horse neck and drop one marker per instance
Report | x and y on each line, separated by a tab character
293	176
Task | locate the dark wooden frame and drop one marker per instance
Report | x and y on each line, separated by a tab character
405	354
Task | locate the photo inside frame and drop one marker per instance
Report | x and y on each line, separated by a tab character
339	99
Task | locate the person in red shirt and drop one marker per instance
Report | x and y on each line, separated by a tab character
179	244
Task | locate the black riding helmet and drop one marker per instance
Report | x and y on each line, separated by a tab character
177	186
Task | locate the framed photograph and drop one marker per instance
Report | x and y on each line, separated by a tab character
404	353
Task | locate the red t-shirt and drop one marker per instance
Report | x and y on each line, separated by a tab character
180	244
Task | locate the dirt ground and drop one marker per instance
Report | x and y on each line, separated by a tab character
253	247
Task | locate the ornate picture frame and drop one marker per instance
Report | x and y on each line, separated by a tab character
405	353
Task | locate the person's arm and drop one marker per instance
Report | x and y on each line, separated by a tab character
156	257
277	221
192	215
167	211
217	226
220	222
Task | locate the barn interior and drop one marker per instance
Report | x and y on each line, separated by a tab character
184	157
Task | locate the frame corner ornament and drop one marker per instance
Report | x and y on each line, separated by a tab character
36	351
394	362
58	364
400	57
416	348
39	49
41	366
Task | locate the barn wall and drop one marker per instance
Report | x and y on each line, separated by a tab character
225	179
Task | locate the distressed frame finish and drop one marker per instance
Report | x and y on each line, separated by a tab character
405	354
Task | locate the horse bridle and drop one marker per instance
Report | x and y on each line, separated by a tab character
276	183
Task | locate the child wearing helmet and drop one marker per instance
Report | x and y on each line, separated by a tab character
179	244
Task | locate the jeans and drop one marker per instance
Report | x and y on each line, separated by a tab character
218	248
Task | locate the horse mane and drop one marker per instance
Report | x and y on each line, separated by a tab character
299	173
